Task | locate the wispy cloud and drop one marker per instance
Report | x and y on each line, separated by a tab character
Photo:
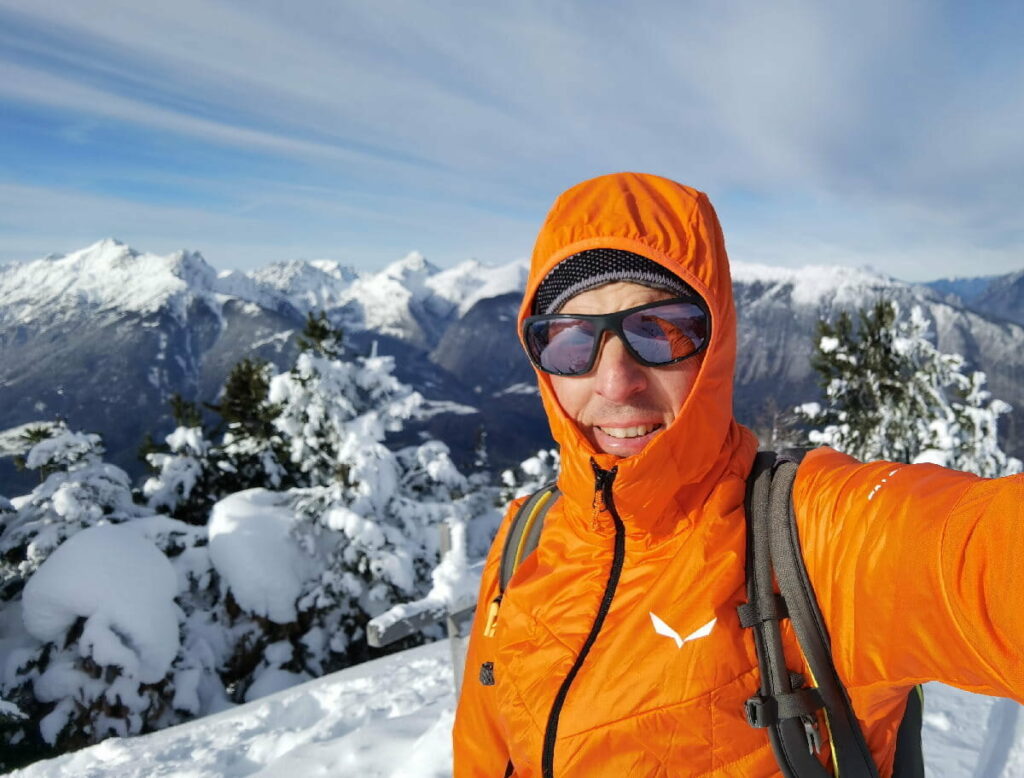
869	133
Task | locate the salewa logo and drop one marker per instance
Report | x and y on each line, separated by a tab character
664	629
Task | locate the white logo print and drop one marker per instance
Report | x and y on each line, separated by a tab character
664	629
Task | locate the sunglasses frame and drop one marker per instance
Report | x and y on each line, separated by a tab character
612	322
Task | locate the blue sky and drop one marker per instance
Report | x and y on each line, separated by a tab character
870	133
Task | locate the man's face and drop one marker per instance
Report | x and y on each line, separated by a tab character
621	405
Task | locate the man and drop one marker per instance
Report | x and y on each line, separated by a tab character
616	649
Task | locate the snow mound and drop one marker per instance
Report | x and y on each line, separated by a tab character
252	548
123	587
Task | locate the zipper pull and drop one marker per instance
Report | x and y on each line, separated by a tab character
492	617
602	488
597	506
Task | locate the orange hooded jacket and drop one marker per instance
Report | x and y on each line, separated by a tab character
915	567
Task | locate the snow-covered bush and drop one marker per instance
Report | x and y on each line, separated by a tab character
530	475
966	437
80	491
102	608
93	628
183	485
891	394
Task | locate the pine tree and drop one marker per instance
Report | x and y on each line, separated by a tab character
79	490
32	435
184	480
243	402
890	394
185	412
197	467
251	452
319	336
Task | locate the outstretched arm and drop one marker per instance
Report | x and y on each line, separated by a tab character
919	572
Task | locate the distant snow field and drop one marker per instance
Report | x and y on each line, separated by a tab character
392	718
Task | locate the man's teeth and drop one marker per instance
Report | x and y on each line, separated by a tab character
629	432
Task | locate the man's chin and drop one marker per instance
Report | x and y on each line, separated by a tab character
621	447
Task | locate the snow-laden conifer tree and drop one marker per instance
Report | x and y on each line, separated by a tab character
97	604
376	512
251	451
196	467
80	490
891	394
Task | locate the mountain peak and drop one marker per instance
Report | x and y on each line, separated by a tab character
411	265
106	250
108	275
106	244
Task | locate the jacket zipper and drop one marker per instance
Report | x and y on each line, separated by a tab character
602	485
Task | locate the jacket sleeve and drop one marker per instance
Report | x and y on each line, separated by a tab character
480	748
918	570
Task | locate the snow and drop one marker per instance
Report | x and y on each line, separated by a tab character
468	283
123	587
521	388
107	275
388	300
392	718
273	680
404	300
64	446
454	585
317	285
252	547
430	408
13	441
813	284
828	345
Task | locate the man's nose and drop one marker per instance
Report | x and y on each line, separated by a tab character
617	375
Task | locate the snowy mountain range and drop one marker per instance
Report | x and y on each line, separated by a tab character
104	336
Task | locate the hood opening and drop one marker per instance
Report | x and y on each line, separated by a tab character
675	227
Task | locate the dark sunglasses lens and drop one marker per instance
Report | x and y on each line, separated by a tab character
561	346
661	334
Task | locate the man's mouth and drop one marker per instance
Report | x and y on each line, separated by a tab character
629	432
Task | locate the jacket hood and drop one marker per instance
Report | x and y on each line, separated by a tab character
677	227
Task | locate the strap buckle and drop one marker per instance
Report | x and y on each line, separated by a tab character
760	711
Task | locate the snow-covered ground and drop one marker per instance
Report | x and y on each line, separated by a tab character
392	718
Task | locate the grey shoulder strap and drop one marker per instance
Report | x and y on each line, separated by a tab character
524	532
852	752
783	705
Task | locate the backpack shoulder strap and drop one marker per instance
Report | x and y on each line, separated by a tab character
783	705
524	532
774	548
522	538
850	752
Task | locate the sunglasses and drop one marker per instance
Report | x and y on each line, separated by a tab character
656	334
